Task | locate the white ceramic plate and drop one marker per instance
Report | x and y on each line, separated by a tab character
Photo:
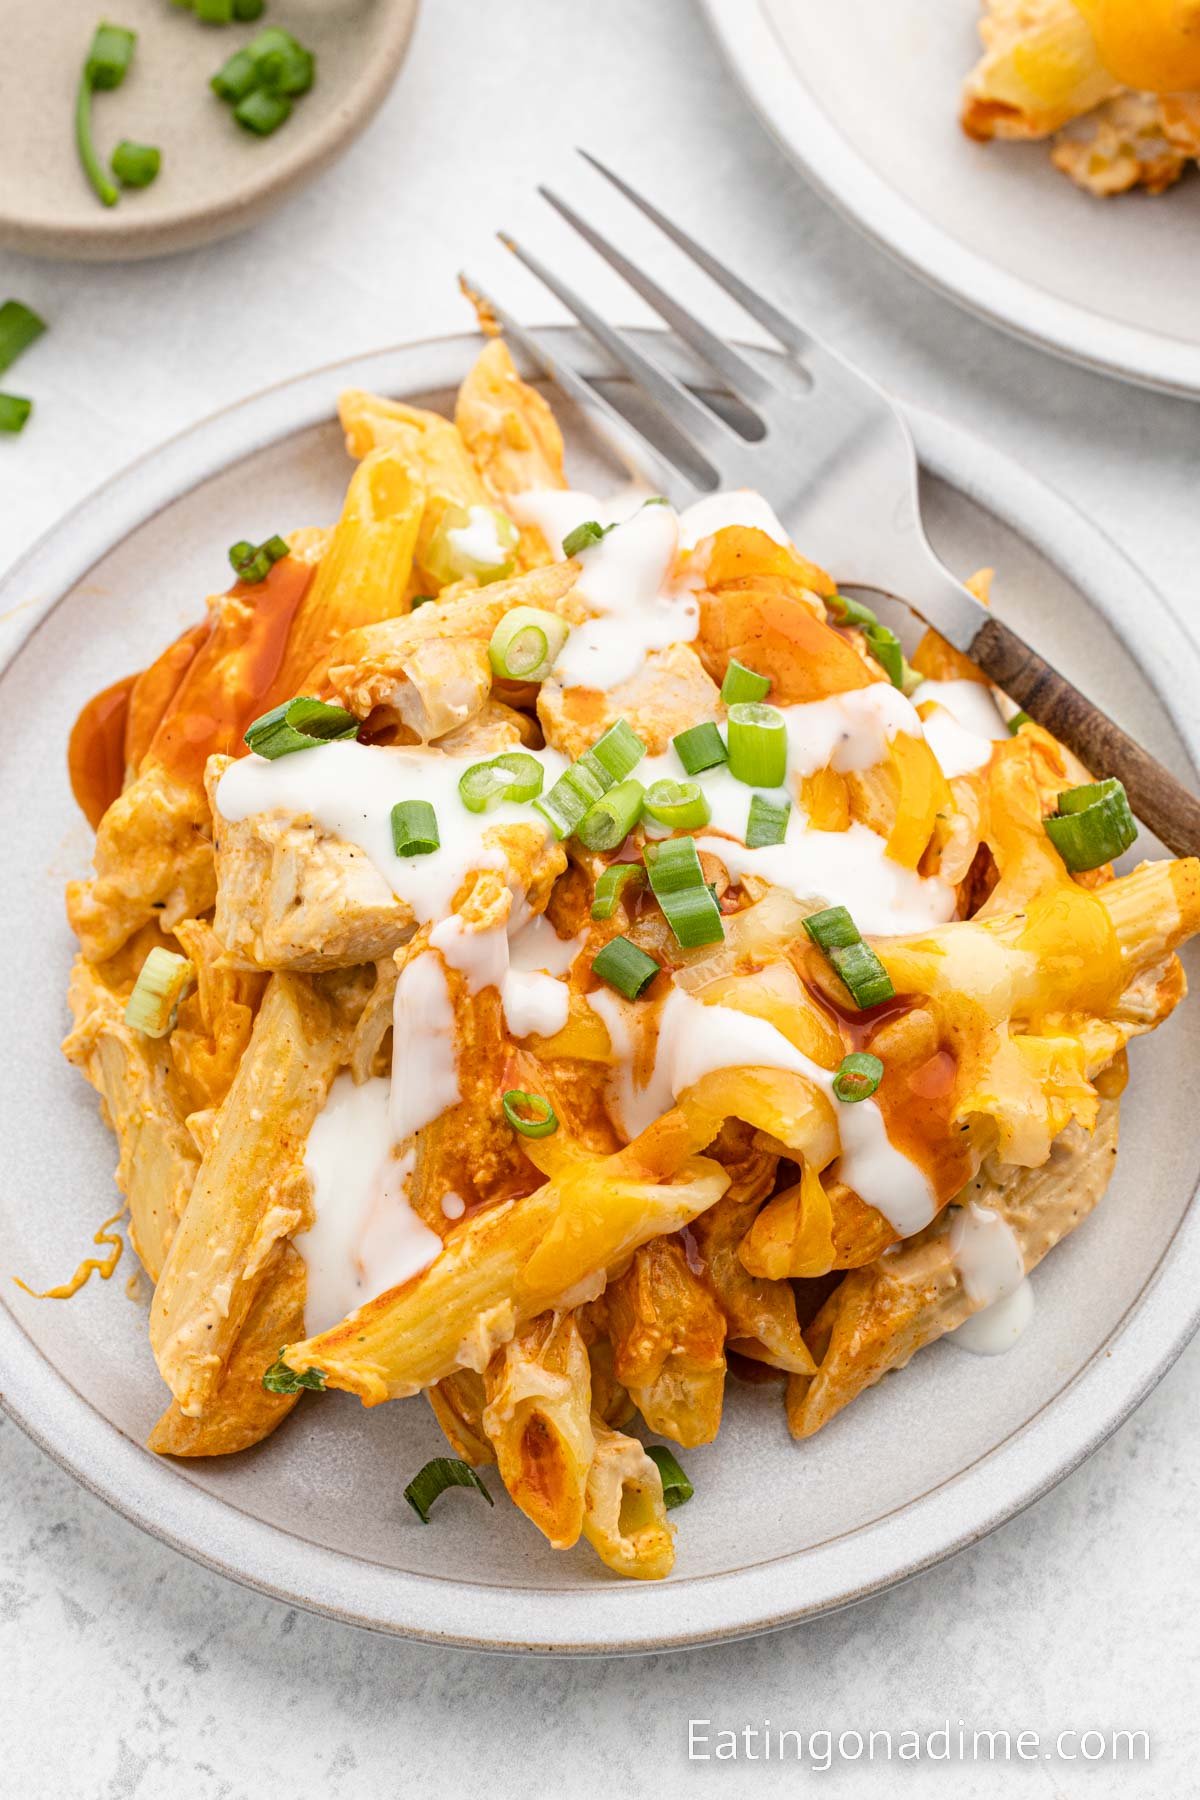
915	1470
864	96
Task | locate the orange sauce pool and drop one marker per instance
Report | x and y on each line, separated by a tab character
96	750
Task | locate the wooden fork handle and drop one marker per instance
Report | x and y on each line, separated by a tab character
1160	802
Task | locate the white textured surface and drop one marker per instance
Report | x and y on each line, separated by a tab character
129	1672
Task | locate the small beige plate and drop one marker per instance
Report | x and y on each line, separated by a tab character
215	177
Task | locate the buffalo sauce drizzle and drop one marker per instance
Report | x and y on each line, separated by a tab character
916	1093
198	697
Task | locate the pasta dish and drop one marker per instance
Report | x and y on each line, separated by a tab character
550	952
1114	83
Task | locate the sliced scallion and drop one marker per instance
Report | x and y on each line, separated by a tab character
566	803
680	805
677	1489
857	1078
767	822
262	112
884	646
850	612
677	881
1018	719
14	412
19	327
526	644
608	821
235	78
1094	824
252	563
612	886
279	1379
615	755
471	542
110	55
583	537
442	1473
742	684
299	724
414	828
624	967
757	744
835	933
517	1103
515	776
135	165
701	747
163	980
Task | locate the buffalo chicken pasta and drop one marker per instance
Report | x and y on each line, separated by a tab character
550	952
1115	84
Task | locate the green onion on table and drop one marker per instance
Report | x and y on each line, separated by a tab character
20	326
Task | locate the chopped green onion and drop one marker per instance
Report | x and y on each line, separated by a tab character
110	55
414	828
677	1489
421	600
19	327
677	882
858	1076
214	12
515	776
279	1379
681	805
583	537
246	11
262	112
767	823
611	886
252	563
236	77
615	755
609	820
742	684
442	1473
624	967
884	646
834	931
1018	719
1094	824
299	724
517	1102
758	744
135	165
288	69
850	612
14	412
163	980
478	542
568	800
702	747
93	168
526	643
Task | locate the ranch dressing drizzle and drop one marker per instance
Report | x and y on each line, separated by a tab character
694	1040
350	789
626	579
850	868
992	1267
365	1237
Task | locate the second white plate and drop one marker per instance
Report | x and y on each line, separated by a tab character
864	97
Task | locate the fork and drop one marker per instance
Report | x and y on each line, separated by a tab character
833	455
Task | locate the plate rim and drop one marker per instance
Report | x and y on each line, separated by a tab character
617	1618
111	237
752	49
